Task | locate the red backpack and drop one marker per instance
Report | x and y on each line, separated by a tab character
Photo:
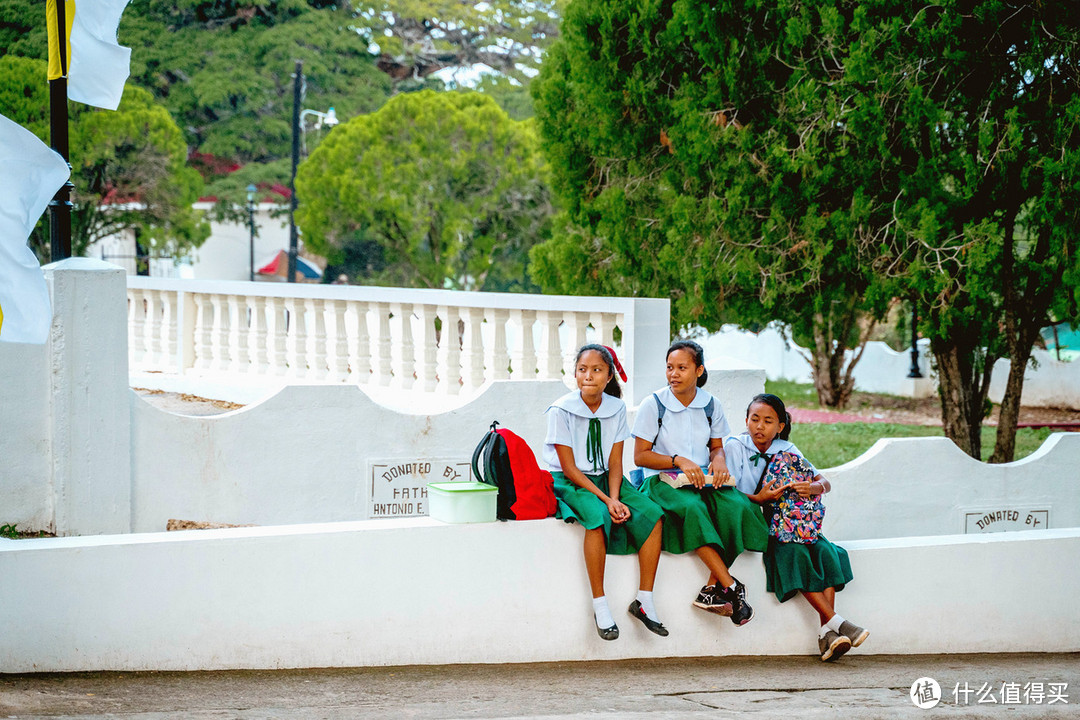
525	491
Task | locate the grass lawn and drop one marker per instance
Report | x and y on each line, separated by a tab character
829	445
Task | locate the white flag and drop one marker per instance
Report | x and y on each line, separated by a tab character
30	174
99	66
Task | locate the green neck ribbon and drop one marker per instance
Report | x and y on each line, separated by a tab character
594	451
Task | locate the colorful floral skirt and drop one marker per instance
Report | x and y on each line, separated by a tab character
725	519
791	568
579	505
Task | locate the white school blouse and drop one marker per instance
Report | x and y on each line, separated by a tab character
747	472
685	431
568	424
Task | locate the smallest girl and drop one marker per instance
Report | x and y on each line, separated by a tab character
584	450
817	570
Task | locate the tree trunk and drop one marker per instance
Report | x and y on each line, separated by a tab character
963	387
1005	440
834	380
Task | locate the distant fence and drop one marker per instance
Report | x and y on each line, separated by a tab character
431	340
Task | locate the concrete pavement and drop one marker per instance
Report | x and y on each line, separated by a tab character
859	686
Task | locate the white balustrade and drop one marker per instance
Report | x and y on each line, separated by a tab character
425	340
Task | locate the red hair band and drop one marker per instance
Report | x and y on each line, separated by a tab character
618	365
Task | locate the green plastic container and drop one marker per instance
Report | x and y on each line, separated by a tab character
462	502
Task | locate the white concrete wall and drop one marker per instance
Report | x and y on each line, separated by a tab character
420	592
303	454
64	410
225	254
1047	382
926	486
25	492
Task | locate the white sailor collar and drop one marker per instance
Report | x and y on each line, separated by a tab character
573	404
701	399
777	445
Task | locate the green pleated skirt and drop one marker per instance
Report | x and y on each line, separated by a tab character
724	518
791	568
578	505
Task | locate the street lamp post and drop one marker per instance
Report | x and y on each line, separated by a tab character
298	81
914	372
327	118
251	231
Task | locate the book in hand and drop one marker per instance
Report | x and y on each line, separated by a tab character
678	480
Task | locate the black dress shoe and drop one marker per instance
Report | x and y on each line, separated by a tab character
611	633
636	612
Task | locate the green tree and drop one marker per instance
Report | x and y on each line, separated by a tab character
224	69
128	166
418	37
450	190
681	146
975	117
935	146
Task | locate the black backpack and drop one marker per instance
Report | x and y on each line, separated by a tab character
525	491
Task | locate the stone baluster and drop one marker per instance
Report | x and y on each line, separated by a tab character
219	333
238	331
473	347
523	355
604	325
151	328
339	355
384	342
496	357
204	319
169	311
256	334
450	346
279	333
136	319
428	374
405	368
360	345
550	360
319	355
578	324
296	340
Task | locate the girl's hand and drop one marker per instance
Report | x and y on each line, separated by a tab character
619	512
719	470
691	470
803	488
770	492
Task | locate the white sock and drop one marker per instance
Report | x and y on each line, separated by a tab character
824	629
834	623
645	598
602	613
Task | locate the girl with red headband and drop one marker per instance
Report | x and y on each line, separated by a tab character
583	450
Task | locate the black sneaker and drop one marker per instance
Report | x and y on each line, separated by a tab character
712	598
741	612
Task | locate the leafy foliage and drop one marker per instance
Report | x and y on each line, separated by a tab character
679	137
224	69
433	190
418	37
128	166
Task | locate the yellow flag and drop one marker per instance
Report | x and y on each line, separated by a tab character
58	69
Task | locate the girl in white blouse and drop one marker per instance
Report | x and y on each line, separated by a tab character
583	450
715	522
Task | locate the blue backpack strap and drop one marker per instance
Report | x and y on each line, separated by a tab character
709	411
660	410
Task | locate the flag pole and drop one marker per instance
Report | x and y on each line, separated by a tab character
298	81
60	205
